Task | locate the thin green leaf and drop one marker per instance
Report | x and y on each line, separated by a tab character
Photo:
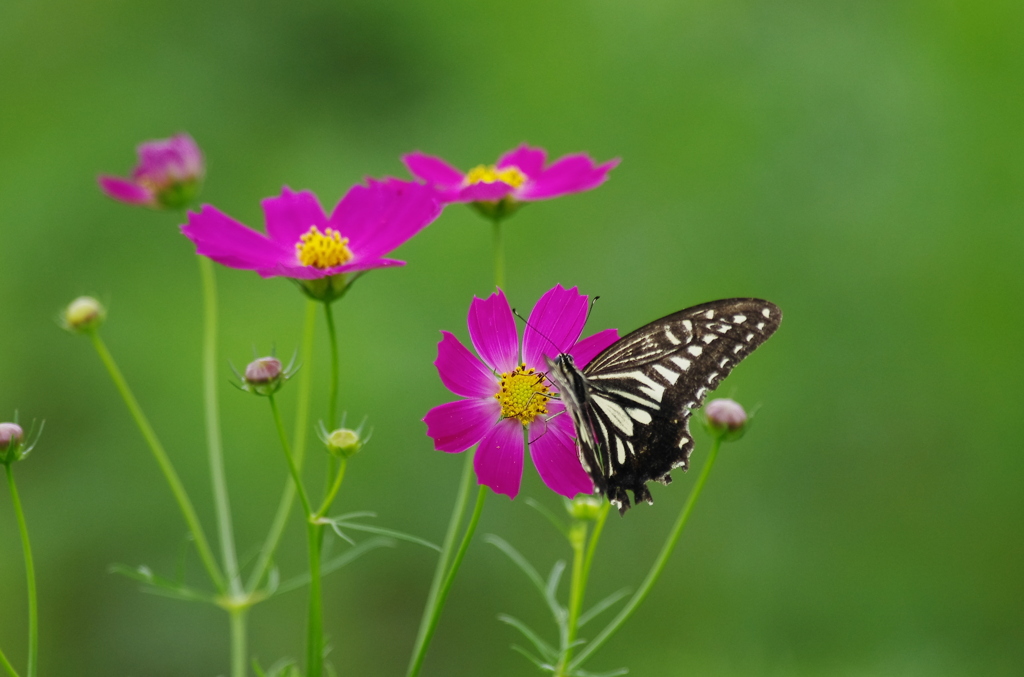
542	647
161	586
553	579
557	523
257	669
354	515
533	659
342	535
519	561
341	560
613	673
601	606
398	535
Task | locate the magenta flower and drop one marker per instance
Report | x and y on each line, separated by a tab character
506	391
518	176
304	243
168	175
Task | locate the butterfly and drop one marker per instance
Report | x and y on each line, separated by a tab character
631	404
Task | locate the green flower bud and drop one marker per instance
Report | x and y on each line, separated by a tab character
725	419
84	314
343	442
584	507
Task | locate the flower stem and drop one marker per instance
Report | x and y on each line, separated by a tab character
329	498
583	557
659	563
332	337
30	580
499	255
166	467
214	441
292	467
7	665
284	508
431	619
239	641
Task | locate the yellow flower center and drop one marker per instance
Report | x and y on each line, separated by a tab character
523	394
491	174
322	250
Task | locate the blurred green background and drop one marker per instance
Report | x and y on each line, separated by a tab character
858	162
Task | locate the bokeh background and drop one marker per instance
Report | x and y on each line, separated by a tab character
858	162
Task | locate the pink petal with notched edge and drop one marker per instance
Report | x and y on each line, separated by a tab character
290	215
554	325
571	174
499	458
589	348
228	242
529	161
433	170
485	192
493	332
456	426
460	370
381	215
125	191
553	450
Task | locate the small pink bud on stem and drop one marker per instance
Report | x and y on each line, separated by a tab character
725	419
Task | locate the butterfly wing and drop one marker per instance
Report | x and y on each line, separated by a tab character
633	415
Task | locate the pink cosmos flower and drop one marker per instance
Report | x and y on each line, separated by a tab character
169	174
506	391
304	243
519	175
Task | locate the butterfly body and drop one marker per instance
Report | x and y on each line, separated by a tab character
631	404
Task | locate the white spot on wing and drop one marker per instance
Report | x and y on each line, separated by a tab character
683	440
621	451
739	319
749	336
668	374
712	376
708	338
680	362
766	312
671	337
695	350
737	348
724	361
639	415
760	326
688	326
615	413
711	314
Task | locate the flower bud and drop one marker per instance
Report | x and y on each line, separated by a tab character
343	442
169	175
584	507
84	314
726	419
12	443
264	376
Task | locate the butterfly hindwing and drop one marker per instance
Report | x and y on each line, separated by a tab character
632	403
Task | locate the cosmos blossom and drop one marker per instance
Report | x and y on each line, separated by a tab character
505	391
519	175
168	175
305	243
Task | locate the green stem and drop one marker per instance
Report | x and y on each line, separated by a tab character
239	641
329	498
442	565
284	507
578	541
442	594
315	623
7	665
602	517
659	563
332	337
499	255
214	441
166	467
292	468
30	580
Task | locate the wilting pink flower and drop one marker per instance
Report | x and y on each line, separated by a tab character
304	243
518	176
169	175
506	391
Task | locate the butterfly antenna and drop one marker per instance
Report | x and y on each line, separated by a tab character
539	332
590	309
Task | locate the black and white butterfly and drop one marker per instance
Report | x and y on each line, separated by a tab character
631	404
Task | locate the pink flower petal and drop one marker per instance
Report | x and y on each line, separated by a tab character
381	215
571	174
461	372
126	191
456	426
493	332
290	215
499	458
301	272
589	348
433	170
553	450
529	161
166	160
554	325
485	192
228	242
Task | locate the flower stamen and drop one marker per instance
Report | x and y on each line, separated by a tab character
523	394
491	174
322	250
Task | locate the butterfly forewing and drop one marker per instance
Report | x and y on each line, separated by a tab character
631	404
